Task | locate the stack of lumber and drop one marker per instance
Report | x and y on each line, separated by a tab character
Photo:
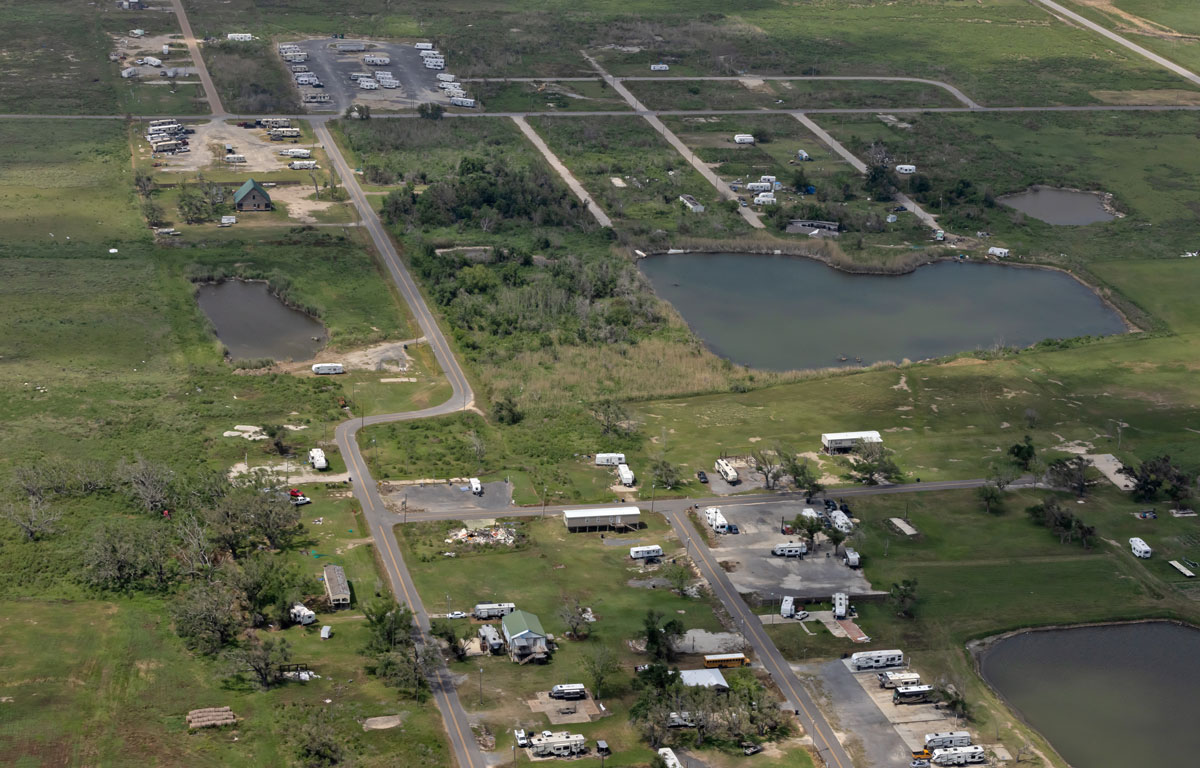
210	717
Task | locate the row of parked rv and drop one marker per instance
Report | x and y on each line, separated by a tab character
167	137
292	53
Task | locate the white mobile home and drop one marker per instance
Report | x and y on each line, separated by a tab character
839	520
840	442
327	369
239	37
947	739
569	691
790	549
602	517
462	101
743	138
626	475
959	756
898	680
153	62
644	552
906	169
1140	547
609	459
999	253
493	610
316	457
726	471
876	659
841	605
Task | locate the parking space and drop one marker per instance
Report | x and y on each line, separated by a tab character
755	569
416	84
208	144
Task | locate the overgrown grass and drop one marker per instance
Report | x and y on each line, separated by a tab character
250	78
787	94
548	97
377	18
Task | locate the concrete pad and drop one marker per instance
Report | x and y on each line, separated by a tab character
452	497
903	526
1110	467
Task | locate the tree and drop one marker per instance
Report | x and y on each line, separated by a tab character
36	518
277	433
445	631
1003	475
505	410
679	576
112	559
1023	453
147	482
193	206
766	463
268	589
276	519
801	472
1155	475
197	552
661	638
154	213
571	613
666	475
431	111
206	617
317	742
263	657
904	597
836	537
991	496
811	527
875	463
600	664
612	416
477	445
391	625
955	702
799	180
143	181
231	520
1071	474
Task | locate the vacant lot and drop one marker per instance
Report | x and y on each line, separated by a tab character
1167	27
548	97
377	18
753	93
251	78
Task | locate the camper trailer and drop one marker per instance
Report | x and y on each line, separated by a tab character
898	679
557	744
476	486
999	253
947	739
852	558
912	694
435	63
1140	548
659	67
301	614
423	46
328	369
609	459
726	471
959	756
377	61
906	169
765	198
787	609
645	552
429	53
876	659
626	475
445	77
302	165
316	457
790	549
841	605
490	638
367	84
493	610
462	101
296	152
759	186
717	521
743	138
838	519
569	691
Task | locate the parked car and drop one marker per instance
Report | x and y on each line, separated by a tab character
731	528
750	748
299	501
456	615
702	476
522	739
899	209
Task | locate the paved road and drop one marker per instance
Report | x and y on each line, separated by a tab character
1162	62
551	158
651	117
210	90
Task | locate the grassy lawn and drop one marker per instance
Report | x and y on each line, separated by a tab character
787	94
548	97
537	577
1167	27
67	177
376	18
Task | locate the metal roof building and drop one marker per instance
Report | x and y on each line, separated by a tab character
602	517
336	586
847	441
704	678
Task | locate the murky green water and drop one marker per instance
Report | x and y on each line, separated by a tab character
782	313
1106	697
252	323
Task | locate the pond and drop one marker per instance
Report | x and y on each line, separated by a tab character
252	323
1105	697
1064	207
784	313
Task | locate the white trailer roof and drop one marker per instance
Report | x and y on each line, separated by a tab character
869	436
576	514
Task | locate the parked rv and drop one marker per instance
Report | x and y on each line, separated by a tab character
898	679
301	614
493	610
445	77
906	169
852	558
462	101
377	61
423	46
912	694
726	471
765	198
609	459
759	186
959	756
787	609
1139	547
316	457
302	165
645	552
235	158
876	659
328	368
947	739
790	549
743	138
840	520
841	605
429	53
626	475
569	691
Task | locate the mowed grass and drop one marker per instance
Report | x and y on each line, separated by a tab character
1165	287
555	564
71	178
750	93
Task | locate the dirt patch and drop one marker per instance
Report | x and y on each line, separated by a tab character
964	361
352	544
703	641
207	146
389	357
903	385
299	204
384	722
295	474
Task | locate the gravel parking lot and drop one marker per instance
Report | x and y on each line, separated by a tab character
757	570
417	84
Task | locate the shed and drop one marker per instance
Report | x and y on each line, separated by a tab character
692	203
704	678
251	197
841	442
601	518
525	637
336	586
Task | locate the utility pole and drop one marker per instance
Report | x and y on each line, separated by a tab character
481	687
653	486
544	488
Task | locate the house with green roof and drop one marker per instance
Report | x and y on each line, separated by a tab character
525	637
251	197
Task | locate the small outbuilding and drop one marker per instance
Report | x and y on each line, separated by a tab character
251	197
337	588
612	518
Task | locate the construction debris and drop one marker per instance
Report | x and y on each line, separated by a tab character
210	717
498	535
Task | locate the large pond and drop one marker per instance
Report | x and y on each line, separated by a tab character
783	313
252	323
1105	697
1065	207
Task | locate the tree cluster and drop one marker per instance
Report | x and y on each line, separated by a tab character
1159	475
394	651
1062	522
875	465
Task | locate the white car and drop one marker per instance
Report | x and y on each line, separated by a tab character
456	615
300	501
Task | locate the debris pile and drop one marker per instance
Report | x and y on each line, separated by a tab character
210	717
497	535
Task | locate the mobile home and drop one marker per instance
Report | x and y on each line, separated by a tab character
569	691
602	517
165	126
876	659
237	159
239	37
790	549
1140	547
959	756
906	169
303	165
840	442
947	739
609	459
743	138
493	610
626	475
316	457
165	146
898	680
327	369
726	471
912	694
644	552
462	101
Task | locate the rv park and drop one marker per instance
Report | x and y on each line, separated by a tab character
346	422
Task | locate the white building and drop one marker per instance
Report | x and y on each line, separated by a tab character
840	442
703	678
906	169
1000	253
602	517
743	138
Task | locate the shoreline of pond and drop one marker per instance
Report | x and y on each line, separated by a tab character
322	340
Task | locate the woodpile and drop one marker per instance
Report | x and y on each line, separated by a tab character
210	717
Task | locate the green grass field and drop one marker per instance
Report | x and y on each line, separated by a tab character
1167	27
788	94
377	18
548	97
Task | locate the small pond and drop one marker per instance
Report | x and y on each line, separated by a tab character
1064	207
1105	697
784	313
252	323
